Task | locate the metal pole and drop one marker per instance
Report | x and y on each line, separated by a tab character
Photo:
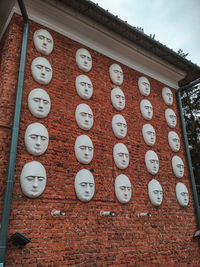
189	161
14	140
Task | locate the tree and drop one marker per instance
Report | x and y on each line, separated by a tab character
181	53
191	108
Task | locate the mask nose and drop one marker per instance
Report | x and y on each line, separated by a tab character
87	118
43	71
86	151
87	188
126	192
38	141
35	182
124	158
45	41
85	61
86	88
41	104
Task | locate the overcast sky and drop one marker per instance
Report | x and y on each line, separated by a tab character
175	23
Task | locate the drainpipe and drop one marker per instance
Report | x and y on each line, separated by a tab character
189	161
14	139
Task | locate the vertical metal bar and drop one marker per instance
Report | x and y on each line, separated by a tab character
14	140
189	161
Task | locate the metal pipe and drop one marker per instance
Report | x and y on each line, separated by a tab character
14	140
189	161
189	85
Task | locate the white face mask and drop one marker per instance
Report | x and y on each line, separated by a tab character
83	59
170	117
84	117
174	141
182	194
178	166
36	139
84	185
155	192
149	134
43	41
39	103
146	109
144	86
33	179
118	99
84	87
84	149
123	188
41	70
167	96
116	74
121	156
152	162
119	126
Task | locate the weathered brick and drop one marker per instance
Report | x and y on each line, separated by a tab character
83	237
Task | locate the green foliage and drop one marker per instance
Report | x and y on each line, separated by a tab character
181	53
191	107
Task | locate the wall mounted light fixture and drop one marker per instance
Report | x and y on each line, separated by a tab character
144	214
58	212
107	213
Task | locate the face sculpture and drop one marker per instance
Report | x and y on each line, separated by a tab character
174	141
182	194
84	87
118	99
152	162
84	117
39	103
83	59
144	86
84	185
116	74
36	139
167	96
123	188
121	156
43	41
146	109
84	149
119	126
155	192
41	70
178	166
170	117
149	134
33	179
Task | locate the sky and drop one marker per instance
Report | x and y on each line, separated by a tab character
175	23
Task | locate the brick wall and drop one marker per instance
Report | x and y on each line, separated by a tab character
83	237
